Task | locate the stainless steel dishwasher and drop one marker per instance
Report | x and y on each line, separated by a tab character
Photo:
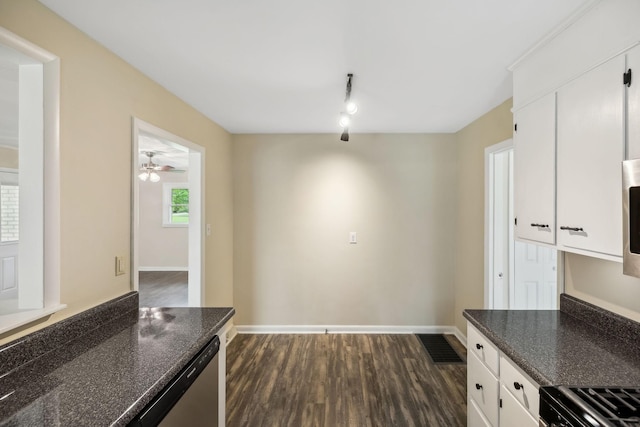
190	398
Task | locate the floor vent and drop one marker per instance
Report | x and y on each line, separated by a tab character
439	349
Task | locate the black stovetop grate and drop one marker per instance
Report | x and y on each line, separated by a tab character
618	406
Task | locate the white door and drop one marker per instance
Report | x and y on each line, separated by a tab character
518	275
535	277
9	215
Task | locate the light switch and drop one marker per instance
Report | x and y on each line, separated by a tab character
353	238
120	267
208	229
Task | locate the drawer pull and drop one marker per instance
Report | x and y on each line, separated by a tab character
518	385
478	386
479	346
571	228
540	225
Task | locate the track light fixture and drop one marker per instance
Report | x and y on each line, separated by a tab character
350	108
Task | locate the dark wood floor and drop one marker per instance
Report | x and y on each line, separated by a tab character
341	380
163	288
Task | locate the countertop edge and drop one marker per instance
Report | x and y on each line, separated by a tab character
522	363
145	398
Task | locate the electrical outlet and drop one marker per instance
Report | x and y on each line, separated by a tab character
120	267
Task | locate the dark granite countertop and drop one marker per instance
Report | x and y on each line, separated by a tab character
105	375
578	345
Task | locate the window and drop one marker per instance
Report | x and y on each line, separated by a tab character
9	213
175	204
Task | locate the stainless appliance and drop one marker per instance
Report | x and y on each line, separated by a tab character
190	398
589	407
631	217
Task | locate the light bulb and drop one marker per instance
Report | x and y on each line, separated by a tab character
351	107
345	120
143	176
154	177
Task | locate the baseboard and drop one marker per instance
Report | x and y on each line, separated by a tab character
231	333
163	268
460	336
348	329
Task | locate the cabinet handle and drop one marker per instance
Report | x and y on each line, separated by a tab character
478	386
563	227
540	225
479	346
518	385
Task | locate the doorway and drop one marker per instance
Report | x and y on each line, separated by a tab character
518	275
167	218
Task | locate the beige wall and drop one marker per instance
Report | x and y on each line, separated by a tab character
602	283
297	197
490	129
100	94
160	247
8	158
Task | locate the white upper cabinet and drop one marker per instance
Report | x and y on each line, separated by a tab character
535	170
633	109
591	140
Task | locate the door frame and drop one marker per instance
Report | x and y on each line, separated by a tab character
196	295
489	198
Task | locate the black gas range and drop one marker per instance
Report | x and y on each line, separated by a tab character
589	406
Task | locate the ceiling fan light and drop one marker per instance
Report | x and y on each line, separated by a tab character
154	177
351	107
143	176
345	120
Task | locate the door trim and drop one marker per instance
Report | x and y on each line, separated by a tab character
196	212
489	153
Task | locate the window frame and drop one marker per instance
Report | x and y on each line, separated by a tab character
167	190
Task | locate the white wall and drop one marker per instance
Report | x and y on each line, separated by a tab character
160	247
297	197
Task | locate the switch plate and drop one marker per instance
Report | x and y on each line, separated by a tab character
208	229
353	238
120	267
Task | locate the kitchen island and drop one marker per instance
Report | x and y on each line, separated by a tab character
103	366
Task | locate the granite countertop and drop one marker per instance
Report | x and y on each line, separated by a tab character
578	345
104	375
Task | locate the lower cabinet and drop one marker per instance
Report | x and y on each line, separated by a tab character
502	397
512	413
475	417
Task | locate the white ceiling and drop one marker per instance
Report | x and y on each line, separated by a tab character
257	66
165	153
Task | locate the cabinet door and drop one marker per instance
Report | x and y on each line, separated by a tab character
512	413
633	109
590	151
535	170
520	385
475	418
482	388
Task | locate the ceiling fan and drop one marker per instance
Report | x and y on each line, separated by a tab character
148	170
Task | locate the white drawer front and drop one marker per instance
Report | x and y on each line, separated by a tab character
520	385
482	387
512	414
475	417
479	345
